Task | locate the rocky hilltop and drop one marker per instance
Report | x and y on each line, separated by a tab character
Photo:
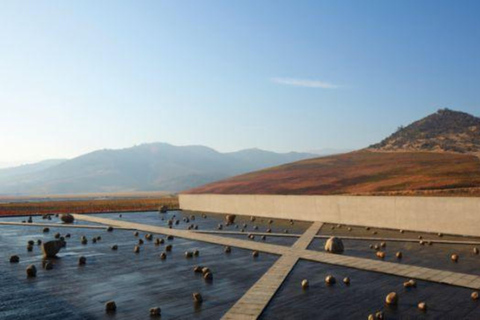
445	130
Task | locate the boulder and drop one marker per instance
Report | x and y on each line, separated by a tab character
31	242
197	297
136	249
346	280
109	228
110	307
391	298
169	237
155	312
230	218
31	271
454	257
45	230
474	295
380	254
149	236
51	248
255	254
82	261
135	234
334	245
163	256
205	270
14	259
208	276
475	250
410	284
29	248
114	247
399	255
168	248
263	238
304	284
57	235
330	280
196	253
197	269
67	218
39	242
422	306
188	254
228	249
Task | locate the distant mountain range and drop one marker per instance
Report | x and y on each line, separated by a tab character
147	167
438	154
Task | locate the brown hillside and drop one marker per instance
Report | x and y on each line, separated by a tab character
361	172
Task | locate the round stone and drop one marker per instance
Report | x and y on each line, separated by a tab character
14	259
454	257
155	312
82	261
410	284
334	245
304	283
346	280
391	298
197	297
31	271
110	307
422	306
330	280
398	255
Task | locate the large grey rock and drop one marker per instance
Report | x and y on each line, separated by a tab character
334	245
51	248
67	218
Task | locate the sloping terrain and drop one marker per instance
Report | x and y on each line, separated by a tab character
437	155
361	172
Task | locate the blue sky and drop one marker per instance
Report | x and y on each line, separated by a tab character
76	76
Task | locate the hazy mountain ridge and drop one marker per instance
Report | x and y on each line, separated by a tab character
147	167
445	130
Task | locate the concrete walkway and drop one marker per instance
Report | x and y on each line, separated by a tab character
397	269
326	236
256	299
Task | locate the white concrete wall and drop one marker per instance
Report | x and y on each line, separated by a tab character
454	215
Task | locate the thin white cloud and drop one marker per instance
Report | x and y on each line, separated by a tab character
304	83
